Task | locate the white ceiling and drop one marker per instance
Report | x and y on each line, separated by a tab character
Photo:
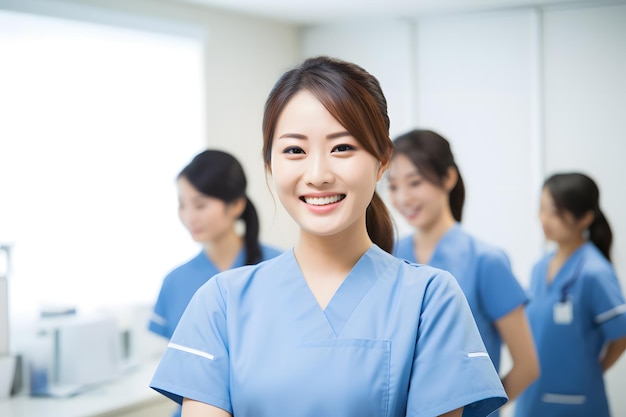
320	11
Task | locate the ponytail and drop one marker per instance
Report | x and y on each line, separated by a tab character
251	237
379	224
432	155
578	194
456	198
600	234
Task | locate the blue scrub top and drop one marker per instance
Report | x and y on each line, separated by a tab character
396	339
484	274
571	382
180	284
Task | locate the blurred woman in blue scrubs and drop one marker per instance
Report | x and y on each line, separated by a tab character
427	189
211	199
337	326
576	311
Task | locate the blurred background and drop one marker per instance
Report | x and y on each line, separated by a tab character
102	102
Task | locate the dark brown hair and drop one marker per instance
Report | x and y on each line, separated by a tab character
353	97
432	156
219	175
578	194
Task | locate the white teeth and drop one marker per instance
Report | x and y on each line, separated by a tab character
321	201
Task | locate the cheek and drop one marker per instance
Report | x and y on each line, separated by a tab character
183	216
401	196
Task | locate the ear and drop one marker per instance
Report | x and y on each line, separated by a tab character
237	207
587	219
382	166
452	177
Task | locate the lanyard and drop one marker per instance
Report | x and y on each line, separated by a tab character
570	282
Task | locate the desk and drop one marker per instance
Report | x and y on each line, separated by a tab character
127	396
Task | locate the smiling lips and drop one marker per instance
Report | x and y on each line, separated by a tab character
323	201
411	214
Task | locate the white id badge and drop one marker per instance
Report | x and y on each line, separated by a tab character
563	312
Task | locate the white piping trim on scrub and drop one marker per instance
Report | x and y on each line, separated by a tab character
477	354
608	315
161	321
190	350
563	399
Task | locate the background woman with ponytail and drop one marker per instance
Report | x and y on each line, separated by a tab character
426	188
211	199
336	327
576	311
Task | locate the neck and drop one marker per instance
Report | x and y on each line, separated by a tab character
334	253
223	250
431	235
566	249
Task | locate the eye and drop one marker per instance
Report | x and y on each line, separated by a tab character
392	187
294	150
415	183
344	147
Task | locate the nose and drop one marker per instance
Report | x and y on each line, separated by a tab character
318	170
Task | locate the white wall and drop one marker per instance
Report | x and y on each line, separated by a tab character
585	104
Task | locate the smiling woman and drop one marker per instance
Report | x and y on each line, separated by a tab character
337	326
88	157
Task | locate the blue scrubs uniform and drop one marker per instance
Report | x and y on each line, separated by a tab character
572	318
396	339
485	276
180	284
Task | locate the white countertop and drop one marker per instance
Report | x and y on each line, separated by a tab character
128	392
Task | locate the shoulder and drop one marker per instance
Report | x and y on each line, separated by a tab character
403	246
487	253
270	251
594	264
422	279
196	263
237	279
488	249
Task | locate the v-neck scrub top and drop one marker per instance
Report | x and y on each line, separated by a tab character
180	284
484	273
571	382
396	339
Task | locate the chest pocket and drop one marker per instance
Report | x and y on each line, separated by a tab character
354	376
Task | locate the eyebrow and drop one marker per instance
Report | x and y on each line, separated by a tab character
407	176
300	136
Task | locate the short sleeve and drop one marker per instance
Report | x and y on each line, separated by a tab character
451	367
607	304
158	321
500	291
195	364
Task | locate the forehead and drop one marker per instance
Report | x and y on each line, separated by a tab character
302	102
546	196
187	190
402	166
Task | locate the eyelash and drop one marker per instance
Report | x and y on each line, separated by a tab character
345	146
293	150
339	148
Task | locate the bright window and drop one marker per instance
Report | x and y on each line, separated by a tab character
96	121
